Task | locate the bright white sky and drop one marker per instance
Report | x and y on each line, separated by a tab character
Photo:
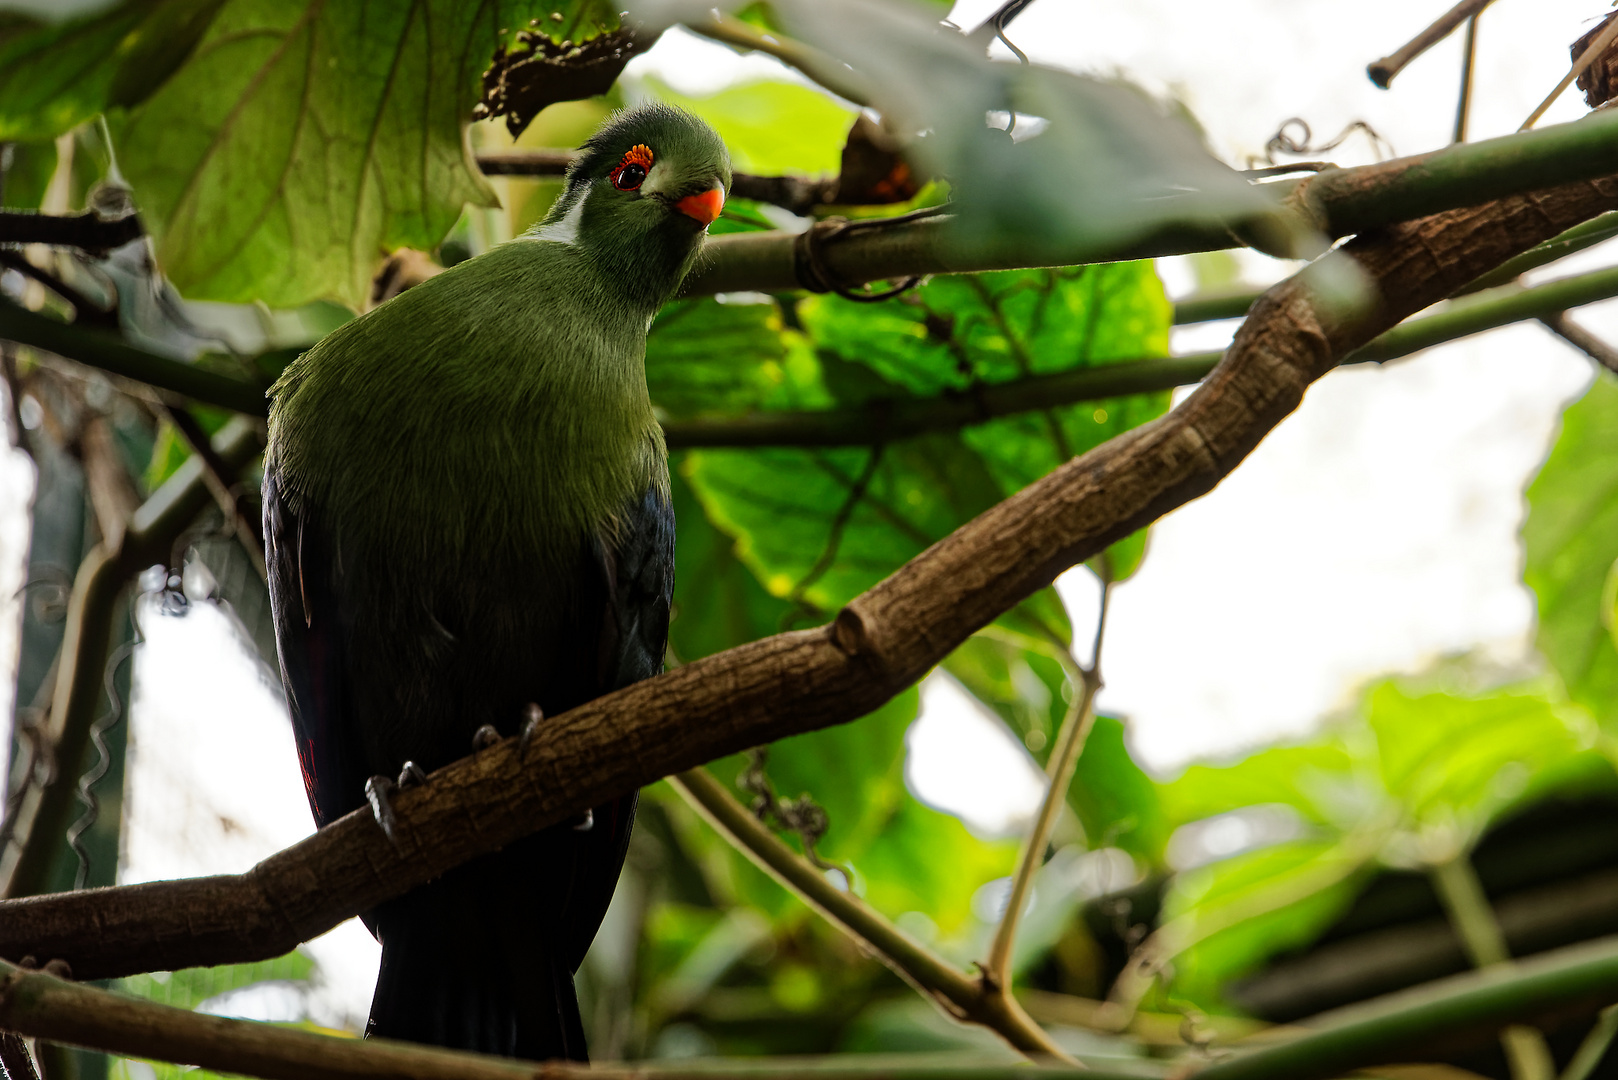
1372	532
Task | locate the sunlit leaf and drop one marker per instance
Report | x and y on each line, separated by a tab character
1237	912
707	357
773	127
1571	537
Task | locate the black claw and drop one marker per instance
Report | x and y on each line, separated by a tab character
533	716
484	737
411	775
585	821
378	792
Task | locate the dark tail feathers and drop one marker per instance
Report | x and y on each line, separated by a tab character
466	964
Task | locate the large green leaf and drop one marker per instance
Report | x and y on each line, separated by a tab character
820	525
1571	537
704	356
278	148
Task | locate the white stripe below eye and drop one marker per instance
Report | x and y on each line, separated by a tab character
655	176
565	231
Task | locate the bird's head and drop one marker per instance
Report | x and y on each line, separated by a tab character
640	198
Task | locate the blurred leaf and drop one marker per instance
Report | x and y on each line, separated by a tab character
1453	762
60	75
1317	780
927	861
705	356
772	127
1117	803
1126	167
28	167
1571	538
718	603
1239	911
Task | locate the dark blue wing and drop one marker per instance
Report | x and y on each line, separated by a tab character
378	671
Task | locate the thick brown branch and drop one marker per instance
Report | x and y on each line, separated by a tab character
801	681
89	230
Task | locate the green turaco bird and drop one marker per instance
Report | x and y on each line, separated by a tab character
467	518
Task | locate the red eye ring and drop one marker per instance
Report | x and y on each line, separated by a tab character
630	173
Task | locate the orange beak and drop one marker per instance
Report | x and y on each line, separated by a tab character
705	207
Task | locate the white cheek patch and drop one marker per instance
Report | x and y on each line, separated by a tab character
657	179
565	231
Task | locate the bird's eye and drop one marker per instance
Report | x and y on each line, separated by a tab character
628	177
630	173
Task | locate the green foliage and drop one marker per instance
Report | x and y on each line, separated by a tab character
1411	781
820	525
1571	538
28	167
193	987
773	127
278	150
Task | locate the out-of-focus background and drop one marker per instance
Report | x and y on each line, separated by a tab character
1376	533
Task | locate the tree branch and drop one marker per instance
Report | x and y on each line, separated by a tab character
112	354
799	194
1406	1025
1337	203
882	642
88	230
898	418
1596	348
931	975
1393	1028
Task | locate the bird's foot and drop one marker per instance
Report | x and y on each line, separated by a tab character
584	822
379	793
484	737
533	716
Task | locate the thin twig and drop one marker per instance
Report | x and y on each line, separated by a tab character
1594	1047
1474	922
935	977
1469	56
1064	760
1593	346
1586	58
1383	71
85	310
225	485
